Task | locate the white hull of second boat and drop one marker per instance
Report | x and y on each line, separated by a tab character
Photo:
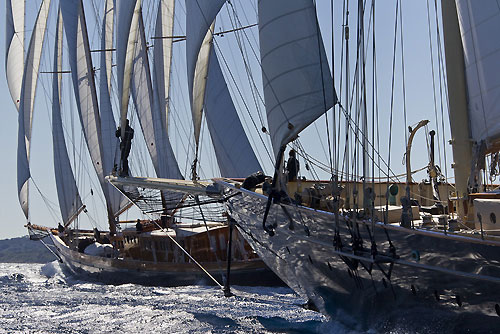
455	278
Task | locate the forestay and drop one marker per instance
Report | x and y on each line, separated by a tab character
479	25
200	15
14	48
298	85
234	153
67	192
26	103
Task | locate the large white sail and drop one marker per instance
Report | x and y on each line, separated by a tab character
148	112
128	12
27	100
107	44
479	25
67	192
14	47
298	85
200	15
162	55
234	153
85	91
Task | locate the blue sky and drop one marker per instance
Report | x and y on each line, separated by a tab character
419	104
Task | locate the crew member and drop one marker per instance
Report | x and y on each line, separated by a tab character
292	166
125	145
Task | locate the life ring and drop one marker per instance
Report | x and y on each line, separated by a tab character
415	254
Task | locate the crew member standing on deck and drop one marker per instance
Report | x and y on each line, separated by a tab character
125	145
292	166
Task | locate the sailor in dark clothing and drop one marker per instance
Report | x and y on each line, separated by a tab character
125	145
292	166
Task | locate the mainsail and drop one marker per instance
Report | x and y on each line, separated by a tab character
200	15
479	25
298	86
26	103
150	118
67	192
14	48
234	153
85	93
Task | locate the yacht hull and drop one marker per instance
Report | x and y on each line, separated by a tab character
121	271
456	279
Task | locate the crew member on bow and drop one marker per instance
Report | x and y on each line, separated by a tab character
125	145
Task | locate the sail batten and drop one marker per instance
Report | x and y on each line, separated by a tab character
298	86
479	25
70	202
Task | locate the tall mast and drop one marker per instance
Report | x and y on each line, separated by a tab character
459	118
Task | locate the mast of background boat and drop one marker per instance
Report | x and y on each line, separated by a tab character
347	74
70	202
457	98
14	53
27	101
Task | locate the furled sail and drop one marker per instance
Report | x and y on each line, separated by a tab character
148	112
234	153
128	12
85	91
27	100
479	26
14	48
298	85
162	55
200	15
67	192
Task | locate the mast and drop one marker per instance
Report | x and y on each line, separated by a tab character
459	118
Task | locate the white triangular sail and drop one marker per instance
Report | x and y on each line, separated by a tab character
27	100
67	192
162	55
84	87
234	153
298	85
148	112
14	47
479	25
200	15
127	21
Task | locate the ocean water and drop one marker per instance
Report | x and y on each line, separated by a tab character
38	298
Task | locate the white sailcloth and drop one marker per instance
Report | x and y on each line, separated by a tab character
108	28
128	12
298	85
148	112
14	48
479	25
162	55
200	15
234	153
67	192
27	100
82	73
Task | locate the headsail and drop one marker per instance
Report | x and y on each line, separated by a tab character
162	56
235	155
14	48
27	100
200	16
67	192
147	109
298	85
479	25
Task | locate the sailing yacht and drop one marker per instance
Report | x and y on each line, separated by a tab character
181	238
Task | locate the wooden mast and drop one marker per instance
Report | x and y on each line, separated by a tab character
459	118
